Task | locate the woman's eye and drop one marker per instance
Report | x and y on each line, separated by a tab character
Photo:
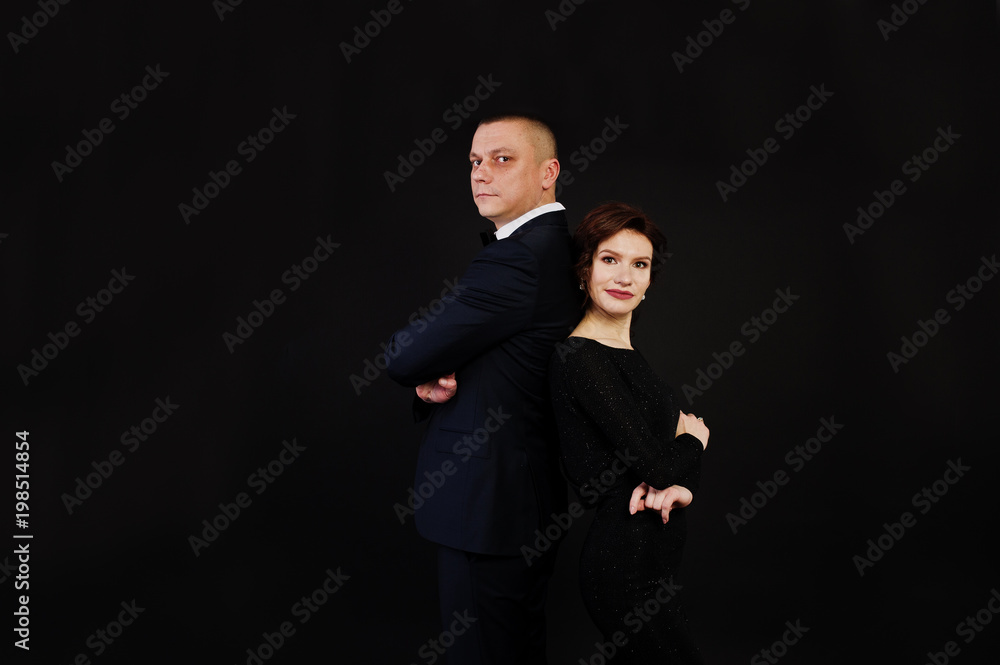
640	264
607	259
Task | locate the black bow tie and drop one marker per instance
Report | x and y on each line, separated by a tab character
487	237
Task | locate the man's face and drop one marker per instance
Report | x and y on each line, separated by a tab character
506	176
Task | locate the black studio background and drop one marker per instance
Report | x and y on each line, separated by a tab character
303	392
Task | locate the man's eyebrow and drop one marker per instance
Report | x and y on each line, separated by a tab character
495	151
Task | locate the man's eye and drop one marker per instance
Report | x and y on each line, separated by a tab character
474	162
504	159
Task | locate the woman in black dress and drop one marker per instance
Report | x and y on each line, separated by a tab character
625	447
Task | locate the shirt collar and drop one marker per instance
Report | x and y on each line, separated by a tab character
507	229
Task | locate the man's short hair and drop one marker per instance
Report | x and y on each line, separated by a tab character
545	138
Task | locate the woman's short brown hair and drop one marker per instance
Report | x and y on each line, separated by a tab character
605	221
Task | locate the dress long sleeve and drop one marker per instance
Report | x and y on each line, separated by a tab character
611	406
612	395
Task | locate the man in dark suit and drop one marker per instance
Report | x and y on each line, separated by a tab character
479	369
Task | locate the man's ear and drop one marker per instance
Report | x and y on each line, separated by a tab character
551	173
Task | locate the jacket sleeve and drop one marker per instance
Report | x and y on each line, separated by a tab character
657	458
492	301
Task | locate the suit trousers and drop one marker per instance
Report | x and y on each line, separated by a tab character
498	604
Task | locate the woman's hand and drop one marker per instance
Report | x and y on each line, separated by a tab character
644	496
439	390
687	423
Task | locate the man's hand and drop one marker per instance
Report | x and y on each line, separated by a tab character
438	391
644	496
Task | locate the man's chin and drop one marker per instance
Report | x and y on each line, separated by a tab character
489	212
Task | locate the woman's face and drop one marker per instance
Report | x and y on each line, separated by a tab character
619	275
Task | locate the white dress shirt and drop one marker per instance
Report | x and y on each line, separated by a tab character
508	228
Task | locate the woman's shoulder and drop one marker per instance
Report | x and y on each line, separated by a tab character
575	352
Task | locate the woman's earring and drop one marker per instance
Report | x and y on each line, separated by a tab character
643	296
581	286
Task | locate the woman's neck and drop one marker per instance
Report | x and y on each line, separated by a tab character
599	325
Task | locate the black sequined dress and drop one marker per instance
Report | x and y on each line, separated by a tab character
617	420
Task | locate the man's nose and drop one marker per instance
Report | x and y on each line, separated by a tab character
480	173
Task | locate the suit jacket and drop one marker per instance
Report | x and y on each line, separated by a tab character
487	472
